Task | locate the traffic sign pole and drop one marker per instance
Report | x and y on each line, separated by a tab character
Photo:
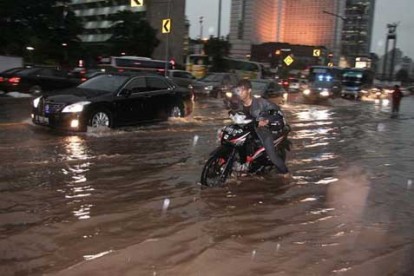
167	44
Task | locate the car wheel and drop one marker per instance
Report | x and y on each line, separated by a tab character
35	90
177	111
101	118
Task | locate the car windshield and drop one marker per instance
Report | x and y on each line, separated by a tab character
213	78
110	83
258	85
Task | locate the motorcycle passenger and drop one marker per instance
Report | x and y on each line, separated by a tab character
267	114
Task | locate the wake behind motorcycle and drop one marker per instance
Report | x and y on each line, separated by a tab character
240	151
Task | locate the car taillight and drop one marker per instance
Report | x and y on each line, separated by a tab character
1	79
83	79
14	80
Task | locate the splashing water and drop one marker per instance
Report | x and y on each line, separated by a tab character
165	205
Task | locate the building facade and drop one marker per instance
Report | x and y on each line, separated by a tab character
287	21
95	14
357	29
344	27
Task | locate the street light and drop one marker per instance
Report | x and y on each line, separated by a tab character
336	41
201	27
30	49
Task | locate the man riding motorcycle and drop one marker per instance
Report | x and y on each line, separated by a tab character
271	122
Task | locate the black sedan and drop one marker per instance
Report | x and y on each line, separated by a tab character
261	88
111	100
215	84
36	80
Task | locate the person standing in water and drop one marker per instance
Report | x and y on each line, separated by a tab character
396	100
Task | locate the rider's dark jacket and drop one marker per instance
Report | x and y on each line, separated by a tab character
261	108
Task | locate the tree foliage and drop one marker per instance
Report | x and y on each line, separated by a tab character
43	25
132	35
216	49
402	75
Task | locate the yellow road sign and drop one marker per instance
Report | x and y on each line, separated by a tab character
288	60
316	52
137	3
166	26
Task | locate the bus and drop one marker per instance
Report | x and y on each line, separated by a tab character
245	69
134	63
357	81
199	65
324	82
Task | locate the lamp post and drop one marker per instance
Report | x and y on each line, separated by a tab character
201	27
219	21
30	49
336	41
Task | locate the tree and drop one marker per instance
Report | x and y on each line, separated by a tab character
402	75
217	48
132	34
39	24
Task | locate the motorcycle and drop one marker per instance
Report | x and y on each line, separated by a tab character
240	151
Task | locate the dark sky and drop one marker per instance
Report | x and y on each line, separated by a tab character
386	11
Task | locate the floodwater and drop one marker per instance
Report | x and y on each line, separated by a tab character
127	201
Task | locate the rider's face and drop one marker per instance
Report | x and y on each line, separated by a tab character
243	93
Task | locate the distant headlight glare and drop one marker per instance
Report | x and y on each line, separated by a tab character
306	91
76	107
325	93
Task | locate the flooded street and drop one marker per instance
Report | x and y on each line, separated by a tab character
127	201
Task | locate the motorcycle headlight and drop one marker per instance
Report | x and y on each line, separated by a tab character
76	107
325	93
36	102
306	91
229	94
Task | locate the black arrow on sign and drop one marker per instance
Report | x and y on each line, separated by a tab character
167	22
137	2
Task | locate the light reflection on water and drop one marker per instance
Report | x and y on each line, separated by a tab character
346	207
78	189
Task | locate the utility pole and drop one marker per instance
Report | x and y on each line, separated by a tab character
336	41
219	21
201	27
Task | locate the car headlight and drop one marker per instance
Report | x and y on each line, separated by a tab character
76	107
208	88
306	91
36	102
325	93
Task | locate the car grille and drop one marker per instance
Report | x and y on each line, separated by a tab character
50	108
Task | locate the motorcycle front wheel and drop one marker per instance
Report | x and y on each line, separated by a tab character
215	171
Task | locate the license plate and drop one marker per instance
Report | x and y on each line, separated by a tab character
43	120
